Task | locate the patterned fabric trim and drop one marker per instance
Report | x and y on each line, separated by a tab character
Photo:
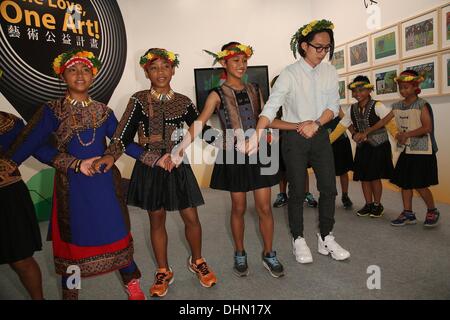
362	121
408	119
7	122
75	119
25	132
62	200
149	158
117	180
99	264
62	162
228	110
9	173
115	148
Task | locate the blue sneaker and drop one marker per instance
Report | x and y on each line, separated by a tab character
406	217
281	200
432	218
240	267
310	201
271	263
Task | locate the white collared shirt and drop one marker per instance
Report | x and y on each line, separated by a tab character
304	92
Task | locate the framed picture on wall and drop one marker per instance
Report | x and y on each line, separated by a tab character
428	68
358	54
207	79
445	23
420	35
343	94
385	86
339	60
385	46
352	77
445	72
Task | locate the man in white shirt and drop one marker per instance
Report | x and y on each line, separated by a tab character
308	92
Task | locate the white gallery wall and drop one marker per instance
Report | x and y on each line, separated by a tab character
188	26
351	24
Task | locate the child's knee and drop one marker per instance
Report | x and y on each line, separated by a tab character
264	210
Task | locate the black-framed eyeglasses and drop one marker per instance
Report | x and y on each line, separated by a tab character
320	49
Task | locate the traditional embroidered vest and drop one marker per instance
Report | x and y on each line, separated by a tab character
164	119
408	119
9	173
363	121
73	119
234	114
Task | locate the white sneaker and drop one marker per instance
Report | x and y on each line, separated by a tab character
301	251
329	245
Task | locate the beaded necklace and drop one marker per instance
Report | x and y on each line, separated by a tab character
84	104
161	96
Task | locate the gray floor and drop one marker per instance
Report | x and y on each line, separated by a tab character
414	262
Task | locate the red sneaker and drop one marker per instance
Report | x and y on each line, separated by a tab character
133	289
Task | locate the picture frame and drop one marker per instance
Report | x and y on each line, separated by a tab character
339	60
445	27
350	79
445	72
420	35
343	91
428	68
207	79
358	53
385	86
385	46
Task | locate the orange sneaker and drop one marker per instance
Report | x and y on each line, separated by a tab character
163	278
133	289
205	275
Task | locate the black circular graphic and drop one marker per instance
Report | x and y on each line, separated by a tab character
32	34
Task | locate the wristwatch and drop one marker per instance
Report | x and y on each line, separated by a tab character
319	124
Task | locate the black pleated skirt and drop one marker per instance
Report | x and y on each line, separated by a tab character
243	176
343	156
154	188
20	236
373	163
415	171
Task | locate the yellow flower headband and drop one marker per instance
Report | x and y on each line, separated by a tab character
409	78
68	59
302	33
231	52
360	84
153	54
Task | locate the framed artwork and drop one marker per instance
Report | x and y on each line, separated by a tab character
339	60
352	77
385	46
445	23
207	79
385	86
428	68
343	93
420	35
445	71
358	54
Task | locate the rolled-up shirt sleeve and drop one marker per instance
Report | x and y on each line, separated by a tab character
346	121
278	96
381	110
333	100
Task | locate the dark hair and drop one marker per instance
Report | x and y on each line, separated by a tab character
230	44
310	37
411	72
361	79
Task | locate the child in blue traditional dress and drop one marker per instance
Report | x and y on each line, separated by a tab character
90	226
